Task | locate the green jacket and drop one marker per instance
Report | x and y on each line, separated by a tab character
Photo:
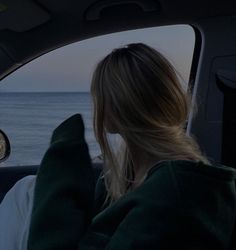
180	205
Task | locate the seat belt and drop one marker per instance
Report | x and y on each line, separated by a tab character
226	81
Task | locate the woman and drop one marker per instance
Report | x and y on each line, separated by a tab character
160	193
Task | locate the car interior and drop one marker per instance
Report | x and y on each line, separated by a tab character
30	28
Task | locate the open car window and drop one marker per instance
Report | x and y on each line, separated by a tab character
40	95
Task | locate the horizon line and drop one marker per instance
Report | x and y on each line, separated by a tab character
44	91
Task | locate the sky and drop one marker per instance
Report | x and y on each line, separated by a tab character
69	69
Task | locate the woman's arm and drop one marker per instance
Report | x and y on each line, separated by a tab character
64	191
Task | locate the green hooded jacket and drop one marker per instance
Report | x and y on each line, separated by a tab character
181	204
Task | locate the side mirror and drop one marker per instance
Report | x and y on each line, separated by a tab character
5	148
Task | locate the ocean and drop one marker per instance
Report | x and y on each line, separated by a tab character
29	119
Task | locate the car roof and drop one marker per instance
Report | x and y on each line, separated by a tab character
31	28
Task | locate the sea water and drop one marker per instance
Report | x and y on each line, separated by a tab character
29	119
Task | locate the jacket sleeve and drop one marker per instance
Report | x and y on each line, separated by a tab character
64	191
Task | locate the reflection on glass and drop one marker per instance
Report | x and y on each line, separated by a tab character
3	146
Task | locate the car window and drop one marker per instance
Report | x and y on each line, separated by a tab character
40	95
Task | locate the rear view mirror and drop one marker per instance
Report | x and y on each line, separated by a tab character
5	148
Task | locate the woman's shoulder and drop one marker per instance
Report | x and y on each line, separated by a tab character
187	168
189	181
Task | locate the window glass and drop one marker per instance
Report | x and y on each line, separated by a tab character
40	95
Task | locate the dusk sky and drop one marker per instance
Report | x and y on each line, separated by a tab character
70	68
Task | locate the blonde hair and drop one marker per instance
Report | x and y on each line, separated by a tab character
136	93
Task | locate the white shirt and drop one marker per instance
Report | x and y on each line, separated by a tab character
15	213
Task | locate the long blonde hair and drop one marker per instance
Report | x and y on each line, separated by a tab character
136	93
